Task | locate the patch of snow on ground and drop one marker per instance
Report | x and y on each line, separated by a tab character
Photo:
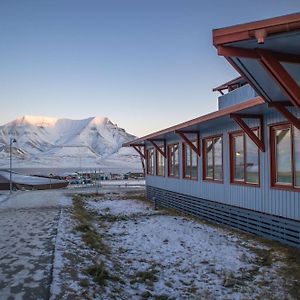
119	207
185	259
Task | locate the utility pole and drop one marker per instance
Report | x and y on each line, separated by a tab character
11	141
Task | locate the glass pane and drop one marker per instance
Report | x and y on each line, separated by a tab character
218	169
252	167
187	160
150	161
238	157
297	156
209	159
194	165
283	156
176	160
160	163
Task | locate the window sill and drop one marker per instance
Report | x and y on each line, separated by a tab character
213	180
257	185
192	179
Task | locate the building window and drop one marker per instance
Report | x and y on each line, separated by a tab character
190	161
285	156
173	160
150	161
244	159
160	163
213	158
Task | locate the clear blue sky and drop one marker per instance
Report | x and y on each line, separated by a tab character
144	64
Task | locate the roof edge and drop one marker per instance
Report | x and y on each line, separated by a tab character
245	31
213	115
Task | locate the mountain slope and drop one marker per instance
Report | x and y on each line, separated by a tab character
46	142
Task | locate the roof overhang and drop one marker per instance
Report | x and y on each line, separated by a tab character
222	116
267	54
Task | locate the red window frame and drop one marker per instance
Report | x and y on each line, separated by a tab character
164	160
231	153
149	172
204	157
169	161
273	171
184	145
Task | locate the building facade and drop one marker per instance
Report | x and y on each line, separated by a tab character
240	165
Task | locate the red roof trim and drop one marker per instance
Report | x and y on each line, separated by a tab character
247	31
214	115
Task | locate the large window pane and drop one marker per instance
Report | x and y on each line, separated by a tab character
160	163
297	156
190	162
194	163
238	157
218	161
209	159
150	161
283	156
252	164
187	161
174	160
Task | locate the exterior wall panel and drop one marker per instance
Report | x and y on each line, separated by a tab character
236	96
265	199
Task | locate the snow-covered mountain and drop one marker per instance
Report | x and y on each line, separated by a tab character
53	142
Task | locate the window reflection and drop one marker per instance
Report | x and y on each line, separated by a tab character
150	162
239	173
245	158
190	162
160	163
213	158
283	156
252	163
297	156
173	160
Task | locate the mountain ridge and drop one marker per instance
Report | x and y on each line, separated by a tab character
55	141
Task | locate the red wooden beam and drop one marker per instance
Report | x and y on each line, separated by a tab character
182	134
259	142
238	52
281	76
164	152
255	54
138	149
286	113
143	165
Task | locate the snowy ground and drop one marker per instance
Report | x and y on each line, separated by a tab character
28	222
116	246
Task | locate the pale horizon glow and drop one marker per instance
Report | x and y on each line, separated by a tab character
145	65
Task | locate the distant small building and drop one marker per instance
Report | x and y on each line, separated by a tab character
239	165
131	175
